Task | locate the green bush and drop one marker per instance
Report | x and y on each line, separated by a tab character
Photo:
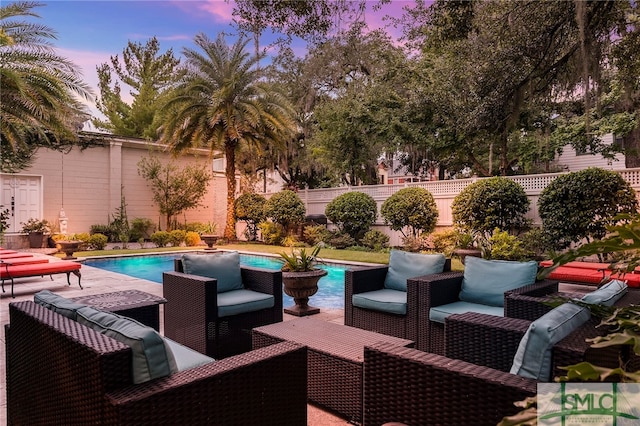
292	241
445	241
177	237
314	234
192	239
496	202
412	208
160	238
580	205
353	213
342	241
97	241
416	244
375	240
249	207
141	228
503	246
285	208
272	233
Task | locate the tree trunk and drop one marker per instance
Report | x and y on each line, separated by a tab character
230	173
632	149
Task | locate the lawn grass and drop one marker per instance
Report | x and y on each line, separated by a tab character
325	253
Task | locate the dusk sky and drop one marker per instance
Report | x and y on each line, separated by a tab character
89	32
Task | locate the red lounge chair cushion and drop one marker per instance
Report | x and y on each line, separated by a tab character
30	270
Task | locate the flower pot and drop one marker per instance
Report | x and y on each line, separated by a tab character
462	253
301	286
35	239
68	247
209	240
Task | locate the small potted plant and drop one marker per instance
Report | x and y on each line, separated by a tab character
208	235
300	277
36	228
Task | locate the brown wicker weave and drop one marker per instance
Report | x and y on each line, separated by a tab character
362	280
191	313
445	288
61	372
418	388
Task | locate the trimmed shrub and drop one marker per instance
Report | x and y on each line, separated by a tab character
580	205
353	213
272	233
375	240
503	246
160	238
249	207
97	241
342	241
412	208
285	208
192	239
177	237
496	202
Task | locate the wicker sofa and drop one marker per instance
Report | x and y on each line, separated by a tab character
191	313
61	372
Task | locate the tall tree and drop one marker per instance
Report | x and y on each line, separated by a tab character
222	104
149	74
41	91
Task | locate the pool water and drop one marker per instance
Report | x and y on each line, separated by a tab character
330	287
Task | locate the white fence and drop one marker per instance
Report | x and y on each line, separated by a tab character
443	191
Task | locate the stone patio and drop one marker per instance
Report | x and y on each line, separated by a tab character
96	281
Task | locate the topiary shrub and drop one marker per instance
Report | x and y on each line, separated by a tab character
580	205
412	208
97	241
496	202
160	238
375	240
249	208
285	208
192	239
177	237
353	213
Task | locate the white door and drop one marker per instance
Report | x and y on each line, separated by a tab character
22	196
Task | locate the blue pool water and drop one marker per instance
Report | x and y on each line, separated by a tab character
330	287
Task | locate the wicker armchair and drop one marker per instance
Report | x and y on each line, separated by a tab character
61	372
362	280
442	289
191	313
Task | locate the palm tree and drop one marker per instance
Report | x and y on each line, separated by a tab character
222	104
38	100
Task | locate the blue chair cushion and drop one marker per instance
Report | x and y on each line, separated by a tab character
608	294
486	281
151	358
385	300
224	267
404	265
533	357
57	304
186	358
439	313
236	302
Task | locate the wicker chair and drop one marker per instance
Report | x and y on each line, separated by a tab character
362	280
442	289
191	313
61	372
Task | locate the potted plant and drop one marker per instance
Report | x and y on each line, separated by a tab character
208	235
36	228
300	278
466	245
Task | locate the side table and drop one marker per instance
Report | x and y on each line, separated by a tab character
138	305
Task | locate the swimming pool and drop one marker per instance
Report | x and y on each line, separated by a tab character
330	287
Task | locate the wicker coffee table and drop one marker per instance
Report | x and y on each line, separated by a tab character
334	361
135	304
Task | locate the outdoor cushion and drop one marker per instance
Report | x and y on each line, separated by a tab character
224	267
404	265
608	294
385	300
57	304
486	281
439	313
533	357
236	302
186	358
151	358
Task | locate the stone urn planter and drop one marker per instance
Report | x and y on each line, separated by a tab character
69	247
209	240
462	253
301	286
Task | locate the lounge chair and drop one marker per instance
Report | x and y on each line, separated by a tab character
15	255
10	271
